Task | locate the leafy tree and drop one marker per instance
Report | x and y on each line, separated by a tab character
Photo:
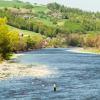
14	40
4	40
30	43
8	40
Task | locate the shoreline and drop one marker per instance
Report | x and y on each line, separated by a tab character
72	49
84	50
11	70
13	56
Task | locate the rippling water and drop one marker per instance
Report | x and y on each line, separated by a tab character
77	77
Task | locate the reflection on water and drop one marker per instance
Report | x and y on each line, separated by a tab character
77	77
42	71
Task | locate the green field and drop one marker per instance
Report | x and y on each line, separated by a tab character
72	26
41	8
15	3
11	3
40	13
46	21
25	32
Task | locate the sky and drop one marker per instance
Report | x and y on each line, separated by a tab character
88	5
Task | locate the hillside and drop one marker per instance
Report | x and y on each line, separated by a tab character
24	32
50	16
13	3
52	20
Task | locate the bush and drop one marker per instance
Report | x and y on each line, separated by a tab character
92	40
74	40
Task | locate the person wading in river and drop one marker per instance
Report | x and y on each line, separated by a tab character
55	87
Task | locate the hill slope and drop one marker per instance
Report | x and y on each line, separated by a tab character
12	3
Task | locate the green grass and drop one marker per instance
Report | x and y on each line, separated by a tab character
25	32
36	8
61	22
91	50
46	21
93	32
72	26
40	8
11	3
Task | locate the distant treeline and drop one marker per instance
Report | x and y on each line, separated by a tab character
75	20
85	21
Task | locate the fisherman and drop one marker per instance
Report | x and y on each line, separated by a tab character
55	87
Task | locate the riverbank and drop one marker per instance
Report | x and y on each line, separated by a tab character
11	70
85	50
13	56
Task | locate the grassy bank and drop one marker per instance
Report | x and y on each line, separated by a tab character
85	50
13	56
90	50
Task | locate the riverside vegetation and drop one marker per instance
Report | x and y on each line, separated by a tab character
24	26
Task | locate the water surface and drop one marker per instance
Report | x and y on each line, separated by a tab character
77	77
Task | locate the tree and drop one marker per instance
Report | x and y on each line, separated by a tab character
30	43
8	40
4	40
14	40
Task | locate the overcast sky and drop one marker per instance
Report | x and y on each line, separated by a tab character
90	5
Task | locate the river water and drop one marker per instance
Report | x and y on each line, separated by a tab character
76	75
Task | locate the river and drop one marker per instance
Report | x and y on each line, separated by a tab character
76	75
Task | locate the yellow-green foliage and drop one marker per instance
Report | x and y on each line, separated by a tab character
3	26
8	40
74	39
14	39
33	41
4	40
54	42
37	39
86	40
3	21
92	40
